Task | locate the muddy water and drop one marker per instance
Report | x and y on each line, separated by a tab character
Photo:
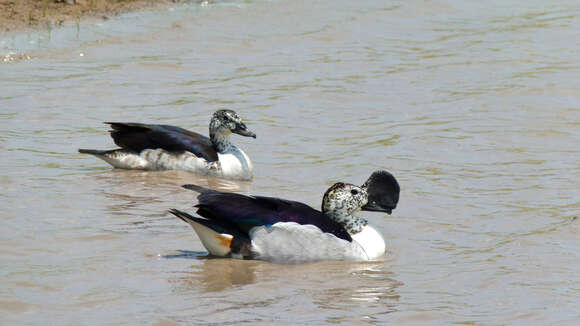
473	106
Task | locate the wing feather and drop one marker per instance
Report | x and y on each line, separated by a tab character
140	136
247	212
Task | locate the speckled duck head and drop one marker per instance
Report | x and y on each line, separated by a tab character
344	198
341	201
224	122
380	193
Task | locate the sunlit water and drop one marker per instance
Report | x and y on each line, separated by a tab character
474	106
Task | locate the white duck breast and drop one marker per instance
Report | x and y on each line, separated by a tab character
371	241
236	165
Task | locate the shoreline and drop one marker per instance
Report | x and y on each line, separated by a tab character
35	15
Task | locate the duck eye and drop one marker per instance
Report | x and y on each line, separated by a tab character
354	192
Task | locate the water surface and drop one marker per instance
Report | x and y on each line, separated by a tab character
473	106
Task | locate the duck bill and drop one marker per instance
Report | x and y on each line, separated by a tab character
383	190
374	207
243	131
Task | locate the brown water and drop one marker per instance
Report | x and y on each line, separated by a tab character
474	106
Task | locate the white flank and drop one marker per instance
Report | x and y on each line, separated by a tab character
125	160
235	165
289	242
160	159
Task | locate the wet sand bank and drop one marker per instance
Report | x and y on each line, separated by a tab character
25	15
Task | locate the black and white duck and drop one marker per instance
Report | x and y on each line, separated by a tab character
280	230
163	147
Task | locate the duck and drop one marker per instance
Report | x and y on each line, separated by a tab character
284	231
165	147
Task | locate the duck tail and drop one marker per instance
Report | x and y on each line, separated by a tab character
212	236
95	152
197	188
193	221
183	216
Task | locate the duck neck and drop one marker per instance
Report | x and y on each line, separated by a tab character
351	223
221	140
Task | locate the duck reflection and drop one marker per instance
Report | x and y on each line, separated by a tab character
150	180
329	285
131	193
365	284
213	274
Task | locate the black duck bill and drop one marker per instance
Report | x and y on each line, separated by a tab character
383	192
242	130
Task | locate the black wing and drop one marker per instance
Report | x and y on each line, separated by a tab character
139	136
246	212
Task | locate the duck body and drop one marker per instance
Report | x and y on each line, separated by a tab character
284	231
164	147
